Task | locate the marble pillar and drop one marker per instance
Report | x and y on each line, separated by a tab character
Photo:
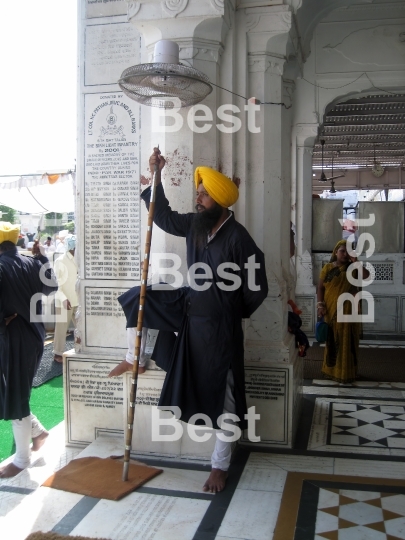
274	373
305	291
108	219
200	29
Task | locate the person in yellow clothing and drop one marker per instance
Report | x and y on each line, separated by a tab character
340	361
67	300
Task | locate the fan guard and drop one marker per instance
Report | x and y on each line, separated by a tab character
158	84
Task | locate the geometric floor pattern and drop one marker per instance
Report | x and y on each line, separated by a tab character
367	425
361	426
355	491
350	514
336	507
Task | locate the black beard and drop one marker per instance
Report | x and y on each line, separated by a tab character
203	222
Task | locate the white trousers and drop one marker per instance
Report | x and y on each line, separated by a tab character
24	430
61	326
221	456
131	336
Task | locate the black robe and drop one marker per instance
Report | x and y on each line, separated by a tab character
210	339
22	341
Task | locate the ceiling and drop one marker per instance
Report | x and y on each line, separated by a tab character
360	131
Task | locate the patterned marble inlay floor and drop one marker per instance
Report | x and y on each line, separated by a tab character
338	507
361	426
356	514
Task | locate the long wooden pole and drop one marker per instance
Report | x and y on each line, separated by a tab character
142	297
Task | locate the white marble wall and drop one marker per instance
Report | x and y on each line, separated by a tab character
108	218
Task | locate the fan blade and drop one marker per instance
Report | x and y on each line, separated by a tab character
334	177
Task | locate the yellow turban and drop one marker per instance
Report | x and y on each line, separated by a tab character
9	232
218	186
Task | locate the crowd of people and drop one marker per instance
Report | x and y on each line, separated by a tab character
51	245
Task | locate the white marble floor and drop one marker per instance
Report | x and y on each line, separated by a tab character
173	506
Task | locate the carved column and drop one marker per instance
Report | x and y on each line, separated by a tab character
305	291
268	183
273	369
199	29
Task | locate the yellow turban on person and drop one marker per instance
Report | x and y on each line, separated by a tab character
9	232
218	186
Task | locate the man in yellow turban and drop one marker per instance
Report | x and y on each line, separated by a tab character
227	277
9	232
21	342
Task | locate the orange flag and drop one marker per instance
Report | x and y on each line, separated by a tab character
52	178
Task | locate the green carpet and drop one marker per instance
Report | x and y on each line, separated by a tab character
46	403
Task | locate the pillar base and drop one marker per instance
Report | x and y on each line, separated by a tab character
94	403
274	377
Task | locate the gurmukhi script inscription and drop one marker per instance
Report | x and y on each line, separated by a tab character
93	401
91	386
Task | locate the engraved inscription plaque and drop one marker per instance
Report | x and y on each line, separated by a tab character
111	188
92	399
267	391
110	48
306	305
103	313
105	8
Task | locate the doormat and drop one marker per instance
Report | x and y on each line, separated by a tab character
48	369
55	536
100	478
375	364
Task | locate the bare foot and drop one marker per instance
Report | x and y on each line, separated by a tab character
58	358
123	367
37	442
9	471
216	481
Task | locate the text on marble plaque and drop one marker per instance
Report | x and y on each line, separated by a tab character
94	389
265	386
